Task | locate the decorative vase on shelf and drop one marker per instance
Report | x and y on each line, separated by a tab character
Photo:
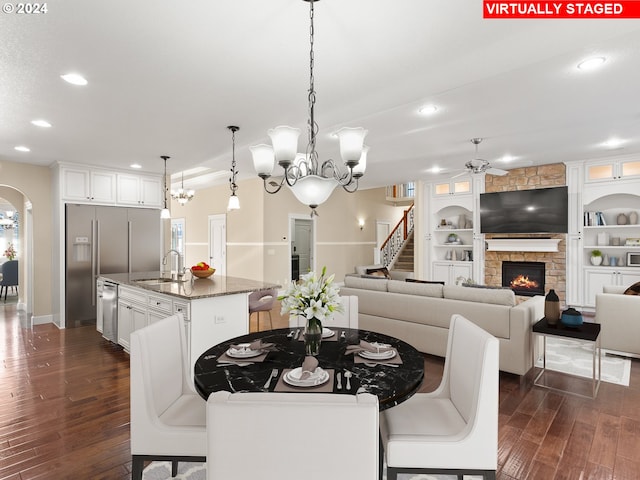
596	257
622	219
552	307
633	218
312	336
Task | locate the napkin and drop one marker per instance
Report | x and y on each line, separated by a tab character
308	368
368	347
257	345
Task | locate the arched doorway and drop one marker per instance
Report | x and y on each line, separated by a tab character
16	227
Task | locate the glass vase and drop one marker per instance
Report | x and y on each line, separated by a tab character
312	336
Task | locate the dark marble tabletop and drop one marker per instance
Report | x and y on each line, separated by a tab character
392	385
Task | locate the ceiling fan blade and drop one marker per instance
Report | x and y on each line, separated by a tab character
496	171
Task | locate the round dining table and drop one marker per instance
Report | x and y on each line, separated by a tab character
391	381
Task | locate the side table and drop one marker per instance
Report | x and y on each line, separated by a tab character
587	332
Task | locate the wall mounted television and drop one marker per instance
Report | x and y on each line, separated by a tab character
542	210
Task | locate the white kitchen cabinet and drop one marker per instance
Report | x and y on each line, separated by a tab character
131	317
85	185
450	272
137	190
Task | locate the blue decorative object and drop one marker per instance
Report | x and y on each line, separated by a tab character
571	318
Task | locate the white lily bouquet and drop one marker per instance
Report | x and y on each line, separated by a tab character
316	299
312	297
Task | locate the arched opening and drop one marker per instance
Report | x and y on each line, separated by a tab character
16	244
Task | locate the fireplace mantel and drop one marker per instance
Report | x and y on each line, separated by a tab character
522	244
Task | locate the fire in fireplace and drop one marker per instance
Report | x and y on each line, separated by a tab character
524	278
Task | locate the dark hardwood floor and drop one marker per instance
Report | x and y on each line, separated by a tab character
64	413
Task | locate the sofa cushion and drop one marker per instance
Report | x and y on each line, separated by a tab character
633	289
423	289
480	295
379	285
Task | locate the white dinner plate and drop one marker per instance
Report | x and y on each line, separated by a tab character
243	352
386	355
327	333
318	377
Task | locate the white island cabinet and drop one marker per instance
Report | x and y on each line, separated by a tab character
214	309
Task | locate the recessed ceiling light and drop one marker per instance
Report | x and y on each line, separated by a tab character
428	109
507	158
613	143
591	63
135	165
74	79
22	148
41	123
435	169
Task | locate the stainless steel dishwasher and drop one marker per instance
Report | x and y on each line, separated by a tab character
109	302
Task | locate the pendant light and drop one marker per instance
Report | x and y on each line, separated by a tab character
181	195
311	181
165	213
234	201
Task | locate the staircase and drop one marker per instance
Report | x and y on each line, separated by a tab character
404	262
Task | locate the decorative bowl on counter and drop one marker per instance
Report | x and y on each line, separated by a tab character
203	273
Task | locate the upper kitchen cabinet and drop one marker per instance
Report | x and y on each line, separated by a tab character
85	185
136	190
79	184
607	171
453	187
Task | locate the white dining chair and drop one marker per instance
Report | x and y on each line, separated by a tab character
292	436
453	430
348	318
168	417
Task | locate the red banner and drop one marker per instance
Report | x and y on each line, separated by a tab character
560	9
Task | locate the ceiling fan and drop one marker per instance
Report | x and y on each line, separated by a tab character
479	165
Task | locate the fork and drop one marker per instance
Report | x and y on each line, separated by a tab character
274	373
382	364
347	377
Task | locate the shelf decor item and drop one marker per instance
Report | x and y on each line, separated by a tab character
552	307
622	219
596	257
633	218
571	317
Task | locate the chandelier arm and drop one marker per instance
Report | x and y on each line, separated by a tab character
292	174
353	183
343	179
272	182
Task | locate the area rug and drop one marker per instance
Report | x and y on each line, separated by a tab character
197	471
577	359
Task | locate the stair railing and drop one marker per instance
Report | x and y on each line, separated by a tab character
397	238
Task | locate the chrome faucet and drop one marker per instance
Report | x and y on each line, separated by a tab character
181	270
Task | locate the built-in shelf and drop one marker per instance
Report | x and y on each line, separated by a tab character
523	244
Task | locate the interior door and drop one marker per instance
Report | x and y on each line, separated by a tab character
302	244
218	243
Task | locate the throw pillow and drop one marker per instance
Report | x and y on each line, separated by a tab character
633	289
379	272
414	280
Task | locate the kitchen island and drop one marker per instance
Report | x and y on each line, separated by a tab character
215	309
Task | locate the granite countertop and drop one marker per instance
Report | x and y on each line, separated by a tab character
193	288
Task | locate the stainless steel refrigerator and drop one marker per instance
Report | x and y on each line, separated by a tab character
101	240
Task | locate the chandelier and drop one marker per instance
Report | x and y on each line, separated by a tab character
165	213
311	181
234	201
181	195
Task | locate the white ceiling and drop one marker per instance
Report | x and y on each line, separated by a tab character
168	76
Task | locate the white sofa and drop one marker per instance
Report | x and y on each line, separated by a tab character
420	314
619	316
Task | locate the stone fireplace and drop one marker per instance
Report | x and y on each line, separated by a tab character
524	278
554	262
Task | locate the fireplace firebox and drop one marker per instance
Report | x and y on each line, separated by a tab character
524	278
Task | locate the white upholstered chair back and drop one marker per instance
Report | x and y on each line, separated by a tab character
454	428
348	318
292	436
168	418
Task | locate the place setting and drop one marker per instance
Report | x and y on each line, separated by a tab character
309	376
374	353
243	354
